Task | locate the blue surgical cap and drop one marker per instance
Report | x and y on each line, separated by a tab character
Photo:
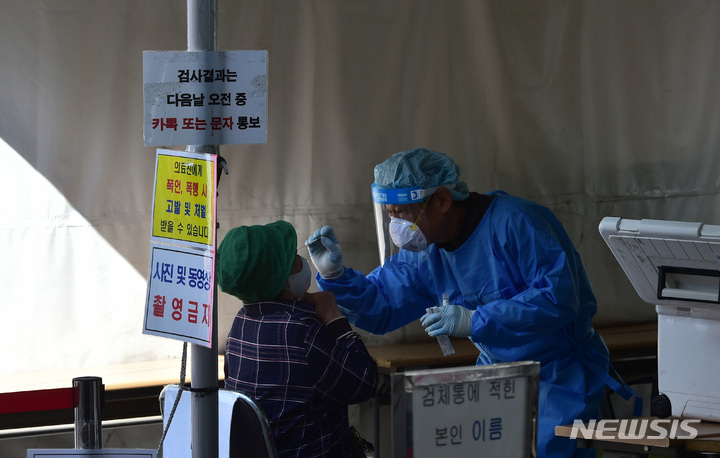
421	168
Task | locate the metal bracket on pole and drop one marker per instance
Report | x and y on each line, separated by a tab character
202	36
87	405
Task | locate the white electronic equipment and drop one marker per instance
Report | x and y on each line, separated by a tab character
676	266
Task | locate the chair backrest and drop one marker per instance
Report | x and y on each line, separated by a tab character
250	434
243	428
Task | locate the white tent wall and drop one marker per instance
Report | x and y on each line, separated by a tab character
593	108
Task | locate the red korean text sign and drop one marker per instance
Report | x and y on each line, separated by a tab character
180	294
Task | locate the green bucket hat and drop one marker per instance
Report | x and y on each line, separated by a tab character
254	262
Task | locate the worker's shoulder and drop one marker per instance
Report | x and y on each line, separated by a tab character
512	205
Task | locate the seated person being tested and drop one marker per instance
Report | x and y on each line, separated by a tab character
516	285
291	350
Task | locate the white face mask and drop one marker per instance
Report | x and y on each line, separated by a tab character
299	283
407	235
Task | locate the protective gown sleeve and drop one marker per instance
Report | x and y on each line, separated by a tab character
388	298
549	282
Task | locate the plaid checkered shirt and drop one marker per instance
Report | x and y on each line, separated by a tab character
303	374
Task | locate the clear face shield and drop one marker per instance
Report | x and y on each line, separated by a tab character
404	229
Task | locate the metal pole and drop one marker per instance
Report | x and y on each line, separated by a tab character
202	36
87	405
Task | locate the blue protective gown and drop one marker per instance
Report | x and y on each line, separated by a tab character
532	298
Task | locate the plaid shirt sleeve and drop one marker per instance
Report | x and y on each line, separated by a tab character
345	370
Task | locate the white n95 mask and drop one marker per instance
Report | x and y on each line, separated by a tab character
299	283
407	235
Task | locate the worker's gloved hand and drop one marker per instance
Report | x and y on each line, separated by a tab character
454	320
325	253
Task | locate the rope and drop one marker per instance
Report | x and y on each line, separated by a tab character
181	388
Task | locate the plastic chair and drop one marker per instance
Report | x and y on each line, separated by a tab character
250	434
243	427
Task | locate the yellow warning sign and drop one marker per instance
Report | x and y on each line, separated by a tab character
184	199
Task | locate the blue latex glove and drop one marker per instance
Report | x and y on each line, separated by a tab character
454	320
325	253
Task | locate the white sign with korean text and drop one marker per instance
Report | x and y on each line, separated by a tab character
180	294
205	97
464	419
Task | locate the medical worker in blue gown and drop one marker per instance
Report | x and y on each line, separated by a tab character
517	286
